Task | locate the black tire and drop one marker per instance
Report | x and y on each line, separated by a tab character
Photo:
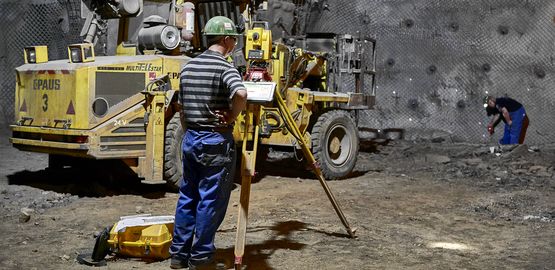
335	144
173	167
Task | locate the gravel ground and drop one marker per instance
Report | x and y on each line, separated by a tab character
416	205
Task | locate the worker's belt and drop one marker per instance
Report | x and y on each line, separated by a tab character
212	129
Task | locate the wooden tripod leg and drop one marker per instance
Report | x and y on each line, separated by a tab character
248	163
292	126
242	221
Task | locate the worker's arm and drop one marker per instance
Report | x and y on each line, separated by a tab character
238	104
506	116
238	95
177	107
495	120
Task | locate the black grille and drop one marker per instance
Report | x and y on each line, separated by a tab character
117	86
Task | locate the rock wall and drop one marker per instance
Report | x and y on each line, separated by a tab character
436	60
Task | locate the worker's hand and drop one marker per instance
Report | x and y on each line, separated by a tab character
224	117
491	129
510	122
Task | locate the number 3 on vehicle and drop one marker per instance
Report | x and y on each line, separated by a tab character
44	102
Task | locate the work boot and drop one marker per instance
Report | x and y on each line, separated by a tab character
178	263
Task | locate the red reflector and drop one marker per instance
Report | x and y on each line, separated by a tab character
70	109
23	107
80	139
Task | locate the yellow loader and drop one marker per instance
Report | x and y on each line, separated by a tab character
122	107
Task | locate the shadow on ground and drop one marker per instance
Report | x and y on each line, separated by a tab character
110	178
256	256
101	179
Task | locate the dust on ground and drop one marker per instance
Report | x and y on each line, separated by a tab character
416	205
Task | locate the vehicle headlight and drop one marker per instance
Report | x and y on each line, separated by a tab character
32	56
35	54
75	55
79	53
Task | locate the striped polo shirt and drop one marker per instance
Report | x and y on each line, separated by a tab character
207	83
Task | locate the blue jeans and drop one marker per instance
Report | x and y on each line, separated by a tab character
208	168
513	133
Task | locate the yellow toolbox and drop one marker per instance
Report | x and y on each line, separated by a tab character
142	236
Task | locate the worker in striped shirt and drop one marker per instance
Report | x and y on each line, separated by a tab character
211	96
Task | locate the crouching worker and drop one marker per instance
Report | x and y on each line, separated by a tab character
211	96
513	115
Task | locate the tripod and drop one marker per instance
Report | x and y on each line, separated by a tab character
248	163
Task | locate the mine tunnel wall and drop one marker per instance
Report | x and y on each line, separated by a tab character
435	60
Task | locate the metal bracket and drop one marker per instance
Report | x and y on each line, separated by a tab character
24	119
66	123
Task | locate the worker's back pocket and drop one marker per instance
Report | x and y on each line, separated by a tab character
214	152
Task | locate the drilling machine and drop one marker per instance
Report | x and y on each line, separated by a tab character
262	71
122	107
309	81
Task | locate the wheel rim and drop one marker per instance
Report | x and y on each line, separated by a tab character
339	145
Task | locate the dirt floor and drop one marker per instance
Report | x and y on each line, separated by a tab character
417	205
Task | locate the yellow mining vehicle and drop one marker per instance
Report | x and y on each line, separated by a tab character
122	107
